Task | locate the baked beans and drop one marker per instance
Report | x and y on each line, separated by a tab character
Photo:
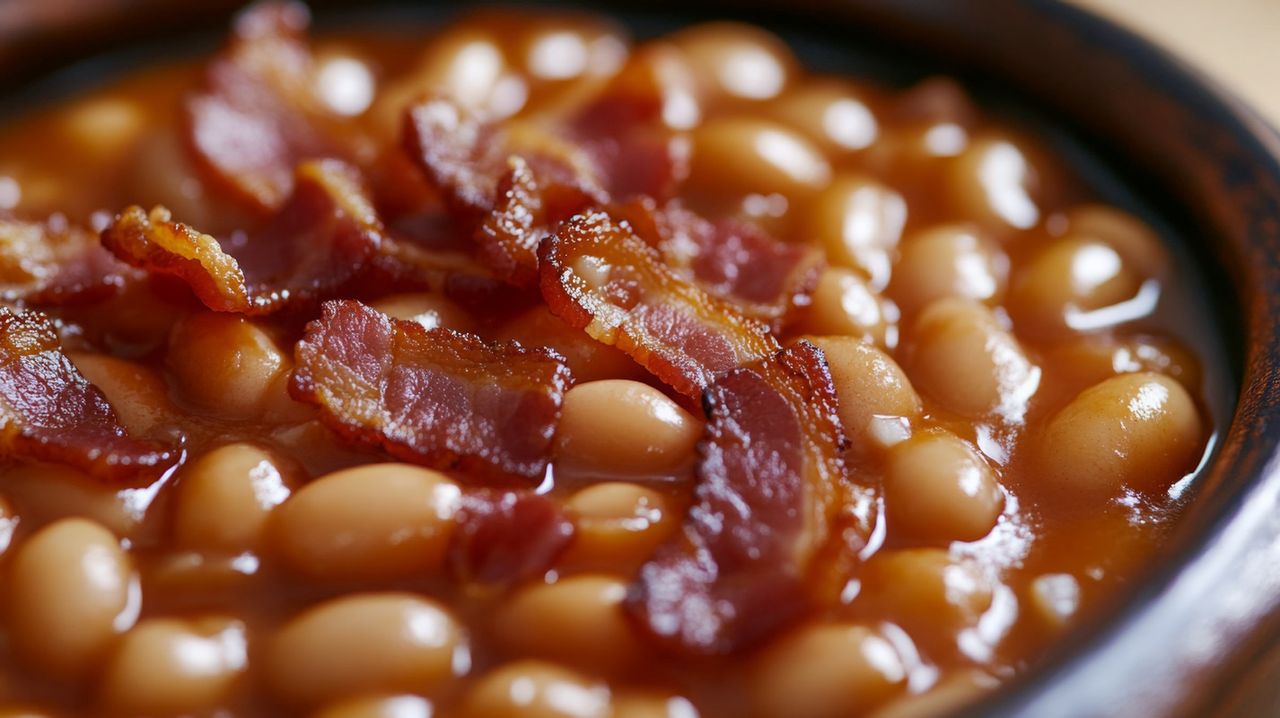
1016	392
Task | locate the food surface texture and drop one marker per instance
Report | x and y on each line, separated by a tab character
515	366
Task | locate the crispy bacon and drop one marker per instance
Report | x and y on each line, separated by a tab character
259	116
402	265
512	184
518	181
457	152
769	493
731	259
502	537
508	238
596	274
435	397
525	214
315	244
52	262
468	158
50	412
625	130
639	162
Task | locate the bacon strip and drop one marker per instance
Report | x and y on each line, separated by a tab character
503	537
435	397
768	496
52	262
50	412
402	266
731	259
468	158
518	181
512	184
624	129
259	116
639	162
508	239
457	152
525	214
316	243
599	276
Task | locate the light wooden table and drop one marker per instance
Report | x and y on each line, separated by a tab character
1237	42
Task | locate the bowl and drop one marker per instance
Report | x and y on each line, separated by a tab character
1198	635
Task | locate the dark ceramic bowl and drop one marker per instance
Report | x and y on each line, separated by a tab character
1198	634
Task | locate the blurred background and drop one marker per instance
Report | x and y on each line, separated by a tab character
1236	42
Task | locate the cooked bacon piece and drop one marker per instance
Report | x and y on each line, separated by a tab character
732	259
505	536
405	265
517	181
457	152
316	243
468	158
612	148
599	276
402	265
526	213
435	397
55	263
508	239
489	297
770	489
259	116
158	244
638	162
50	412
625	128
513	184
